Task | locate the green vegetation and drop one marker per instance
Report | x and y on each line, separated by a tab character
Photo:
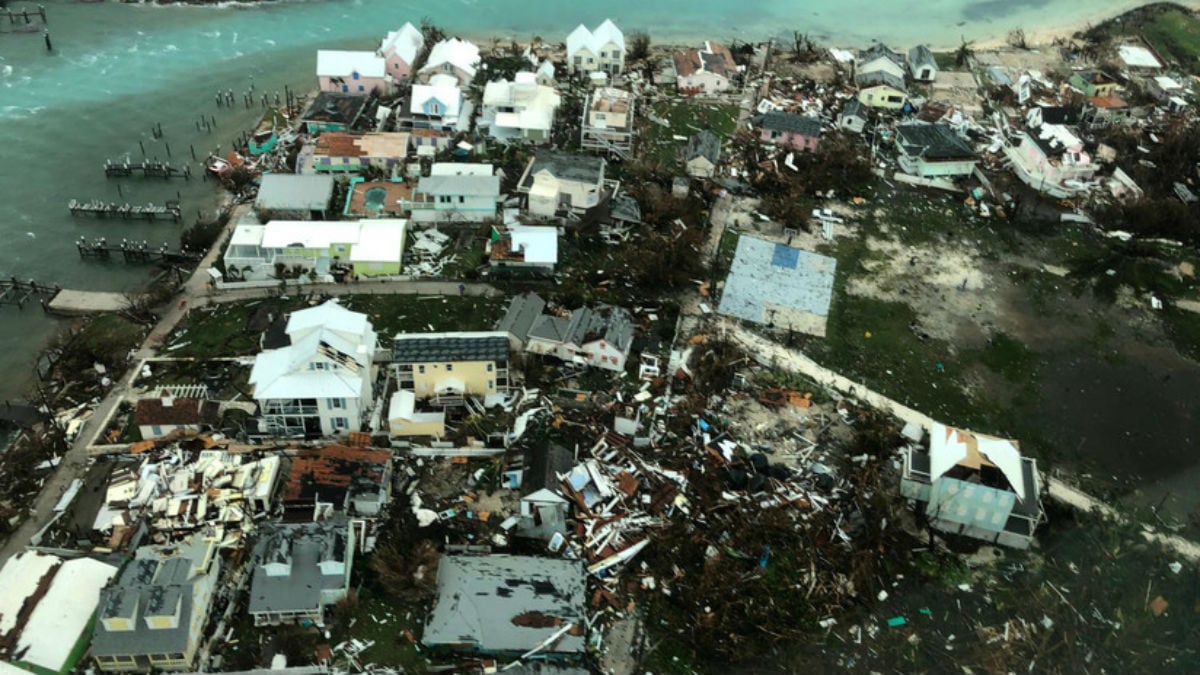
108	338
401	313
227	329
1176	33
686	118
376	618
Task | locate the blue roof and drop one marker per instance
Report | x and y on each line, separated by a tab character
785	256
772	283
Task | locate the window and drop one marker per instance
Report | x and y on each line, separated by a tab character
340	423
433	108
489	367
337	403
318	365
355	76
360	88
345	88
603	54
579	60
491	384
461	199
421	369
449	367
156	430
443	199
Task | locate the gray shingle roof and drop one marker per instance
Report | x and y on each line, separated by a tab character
508	604
921	56
290	192
933	141
482	186
703	144
304	546
877	77
450	347
565	166
798	124
523	311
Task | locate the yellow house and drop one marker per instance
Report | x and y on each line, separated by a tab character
881	90
405	420
445	367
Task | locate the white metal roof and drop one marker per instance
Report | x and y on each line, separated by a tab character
380	240
538	243
949	446
247	235
19	578
1136	56
461	169
594	41
342	63
312	234
405	43
448	94
330	315
63	613
459	53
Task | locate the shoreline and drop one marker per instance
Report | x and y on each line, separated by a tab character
1036	38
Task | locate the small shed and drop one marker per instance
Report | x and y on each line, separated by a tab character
921	64
702	153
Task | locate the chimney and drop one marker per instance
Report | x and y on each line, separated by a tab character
168	401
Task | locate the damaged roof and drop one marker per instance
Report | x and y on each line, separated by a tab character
332	472
507	603
790	122
302	548
523	310
932	141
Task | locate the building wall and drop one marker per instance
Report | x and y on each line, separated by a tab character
159	430
376	269
401	428
700	167
475	376
464	78
702	82
970	504
882	96
790	139
460	209
352	85
930	169
398	69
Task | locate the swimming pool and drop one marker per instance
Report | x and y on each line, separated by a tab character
375	198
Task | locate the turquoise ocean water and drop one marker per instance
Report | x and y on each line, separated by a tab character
118	69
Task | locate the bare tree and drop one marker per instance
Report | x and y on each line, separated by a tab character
1016	39
639	46
964	53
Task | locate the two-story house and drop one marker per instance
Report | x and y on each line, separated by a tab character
439	105
399	50
799	132
933	150
337	152
519	110
445	367
608	121
457	58
299	570
600	50
1093	83
879	58
599	337
975	485
151	617
320	384
352	72
704	71
555	181
366	248
455	192
1051	159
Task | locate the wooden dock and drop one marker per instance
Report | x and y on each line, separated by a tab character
27	14
133	252
13	291
148	168
78	303
126	211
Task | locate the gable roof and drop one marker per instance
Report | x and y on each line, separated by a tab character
877	50
523	310
949	447
932	141
151	411
712	58
475	186
444	89
920	56
334	471
877	78
594	41
607	323
405	43
342	63
303	547
856	108
704	144
450	347
459	53
790	122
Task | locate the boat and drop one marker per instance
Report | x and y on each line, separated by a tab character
218	167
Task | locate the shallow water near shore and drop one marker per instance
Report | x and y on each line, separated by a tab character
118	69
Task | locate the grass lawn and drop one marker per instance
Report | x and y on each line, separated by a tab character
110	336
224	329
686	118
384	622
392	314
1176	34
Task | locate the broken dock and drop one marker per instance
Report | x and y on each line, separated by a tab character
133	251
148	168
13	291
102	209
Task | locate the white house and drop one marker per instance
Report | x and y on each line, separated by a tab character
602	49
526	246
1051	159
454	57
320	384
921	64
599	337
704	71
455	192
933	150
399	50
364	247
880	59
557	181
519	110
438	105
351	72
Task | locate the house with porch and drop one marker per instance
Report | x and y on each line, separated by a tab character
299	570
455	192
600	50
352	72
445	367
151	617
789	130
399	50
556	181
921	64
321	383
704	71
337	152
975	485
439	105
327	248
454	57
933	150
520	110
600	337
608	121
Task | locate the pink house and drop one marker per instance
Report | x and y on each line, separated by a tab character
350	72
785	129
399	50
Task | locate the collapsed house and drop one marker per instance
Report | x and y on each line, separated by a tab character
355	481
600	336
975	485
